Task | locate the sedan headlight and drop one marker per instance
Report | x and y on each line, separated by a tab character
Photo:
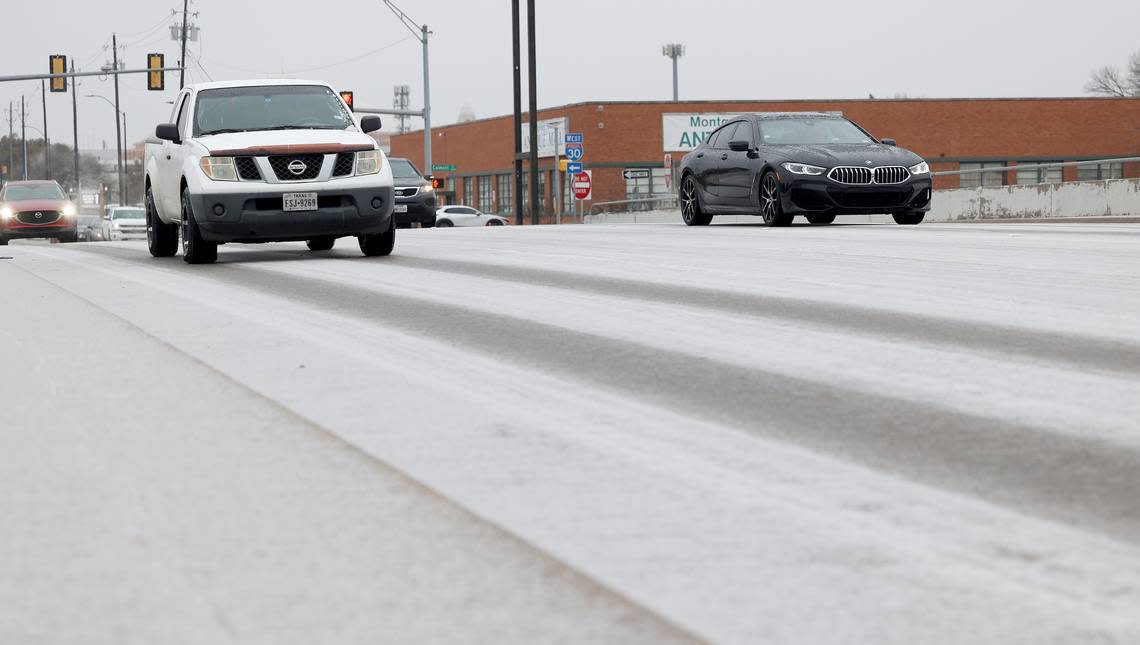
6	213
920	169
219	168
69	210
428	189
368	162
803	169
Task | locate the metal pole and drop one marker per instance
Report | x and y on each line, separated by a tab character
182	61
118	130
24	134
518	113
557	178
676	94
11	139
534	196
427	104
126	186
75	133
47	142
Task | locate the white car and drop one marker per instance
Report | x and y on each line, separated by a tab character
124	223
266	161
466	216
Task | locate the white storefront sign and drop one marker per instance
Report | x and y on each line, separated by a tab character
684	132
550	135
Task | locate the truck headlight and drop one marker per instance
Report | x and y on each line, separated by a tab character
368	162
920	169
219	168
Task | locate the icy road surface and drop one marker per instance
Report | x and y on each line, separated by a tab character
852	434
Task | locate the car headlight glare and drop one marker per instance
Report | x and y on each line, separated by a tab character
368	162
428	189
219	168
6	213
803	169
69	210
920	169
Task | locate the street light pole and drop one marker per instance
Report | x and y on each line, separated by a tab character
533	74
75	131
518	165
674	51
422	34
118	131
47	143
24	134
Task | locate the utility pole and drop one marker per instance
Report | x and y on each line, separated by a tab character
11	140
75	132
518	113
534	186
674	51
182	61
422	33
24	134
126	185
118	131
47	142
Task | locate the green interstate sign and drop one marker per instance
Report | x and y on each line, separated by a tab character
439	167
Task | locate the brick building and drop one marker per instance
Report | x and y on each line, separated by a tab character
950	133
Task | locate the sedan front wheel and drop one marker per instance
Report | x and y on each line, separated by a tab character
771	203
691	204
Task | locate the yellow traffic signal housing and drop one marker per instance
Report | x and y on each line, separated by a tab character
155	80
347	96
58	65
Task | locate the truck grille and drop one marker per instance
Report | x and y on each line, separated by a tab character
857	176
247	169
345	164
309	166
38	217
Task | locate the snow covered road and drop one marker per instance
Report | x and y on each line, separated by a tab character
578	434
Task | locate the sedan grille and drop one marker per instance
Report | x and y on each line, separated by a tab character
345	163
38	217
407	192
296	167
858	176
869	200
247	169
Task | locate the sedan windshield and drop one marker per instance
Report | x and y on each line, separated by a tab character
811	132
43	191
128	213
274	107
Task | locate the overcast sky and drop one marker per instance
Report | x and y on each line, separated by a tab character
587	50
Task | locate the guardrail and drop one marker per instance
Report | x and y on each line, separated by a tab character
660	199
1035	166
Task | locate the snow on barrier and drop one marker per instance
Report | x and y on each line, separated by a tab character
1111	198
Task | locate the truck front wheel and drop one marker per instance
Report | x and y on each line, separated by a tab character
195	250
161	239
379	244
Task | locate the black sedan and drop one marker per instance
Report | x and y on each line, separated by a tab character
779	165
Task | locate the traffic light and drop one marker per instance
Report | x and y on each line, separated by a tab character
58	65
155	80
436	183
346	95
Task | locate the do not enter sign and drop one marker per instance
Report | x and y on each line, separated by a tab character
583	185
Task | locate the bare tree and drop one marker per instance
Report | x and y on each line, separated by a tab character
1107	81
1110	81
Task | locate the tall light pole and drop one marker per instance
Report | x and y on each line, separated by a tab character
24	134
47	144
120	142
422	33
674	51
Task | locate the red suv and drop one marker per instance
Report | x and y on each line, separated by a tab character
36	209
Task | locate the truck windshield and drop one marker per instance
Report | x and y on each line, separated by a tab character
403	169
273	107
128	213
811	131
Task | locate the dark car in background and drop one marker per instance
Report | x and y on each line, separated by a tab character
31	209
90	228
414	195
780	165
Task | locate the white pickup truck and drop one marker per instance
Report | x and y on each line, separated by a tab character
265	161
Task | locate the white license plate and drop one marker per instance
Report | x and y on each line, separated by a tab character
300	201
401	208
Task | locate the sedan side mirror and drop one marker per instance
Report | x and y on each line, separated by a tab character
889	142
740	146
370	123
168	132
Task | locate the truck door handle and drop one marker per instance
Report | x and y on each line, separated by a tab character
724	157
701	156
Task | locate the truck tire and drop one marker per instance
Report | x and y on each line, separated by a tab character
3	241
321	243
379	244
161	239
195	250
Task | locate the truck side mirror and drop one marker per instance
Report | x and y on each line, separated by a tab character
370	123
168	132
890	142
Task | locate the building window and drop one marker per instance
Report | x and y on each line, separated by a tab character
1100	171
468	191
506	194
486	195
982	179
1050	175
541	192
